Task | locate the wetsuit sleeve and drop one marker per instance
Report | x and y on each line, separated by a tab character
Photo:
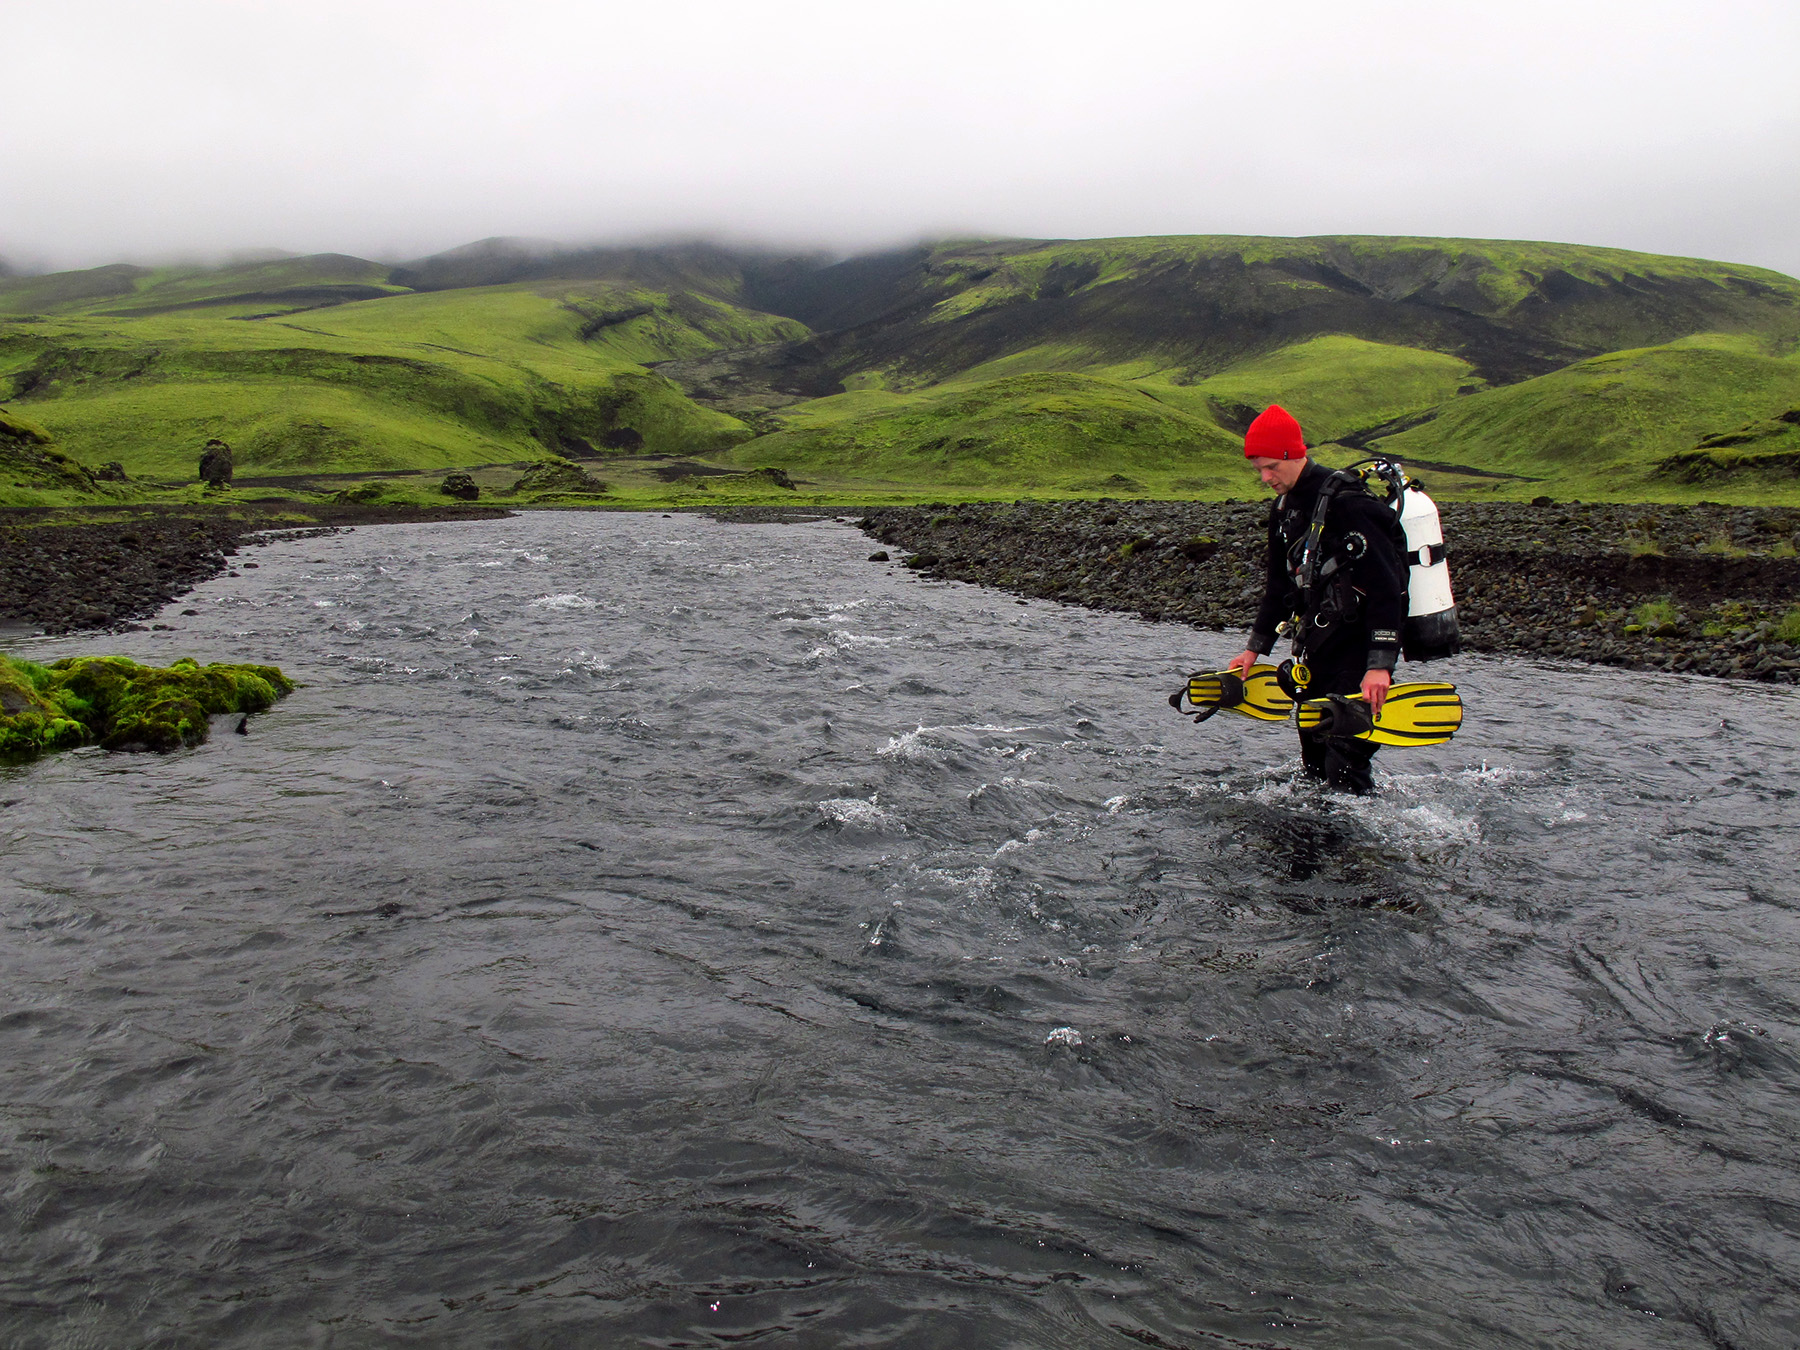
1269	615
1381	575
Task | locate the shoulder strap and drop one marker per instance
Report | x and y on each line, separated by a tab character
1311	549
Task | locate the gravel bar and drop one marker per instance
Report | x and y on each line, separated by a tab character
68	577
1678	588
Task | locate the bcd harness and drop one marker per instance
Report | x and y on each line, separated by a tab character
1318	616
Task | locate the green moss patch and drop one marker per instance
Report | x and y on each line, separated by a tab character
118	704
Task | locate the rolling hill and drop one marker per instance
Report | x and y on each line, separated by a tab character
301	371
967	367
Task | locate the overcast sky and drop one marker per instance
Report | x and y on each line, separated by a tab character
393	128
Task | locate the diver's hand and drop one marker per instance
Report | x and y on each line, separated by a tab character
1375	687
1242	662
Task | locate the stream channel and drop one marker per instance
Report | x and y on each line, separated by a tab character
649	931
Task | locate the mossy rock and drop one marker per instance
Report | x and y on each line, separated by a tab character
118	704
460	486
28	458
559	477
31	722
769	474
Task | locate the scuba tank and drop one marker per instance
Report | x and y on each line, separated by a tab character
1430	630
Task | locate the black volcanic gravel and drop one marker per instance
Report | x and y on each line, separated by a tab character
1561	581
68	577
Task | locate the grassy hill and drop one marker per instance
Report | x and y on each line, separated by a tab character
1191	307
1119	367
1503	356
344	384
1606	427
1058	432
34	472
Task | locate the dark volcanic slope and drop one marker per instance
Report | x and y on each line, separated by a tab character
1558	581
1513	310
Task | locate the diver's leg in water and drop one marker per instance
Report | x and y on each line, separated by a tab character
1313	752
1347	766
1339	762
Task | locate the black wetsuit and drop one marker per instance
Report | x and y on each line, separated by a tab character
1350	620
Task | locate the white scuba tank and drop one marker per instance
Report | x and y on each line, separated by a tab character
1431	629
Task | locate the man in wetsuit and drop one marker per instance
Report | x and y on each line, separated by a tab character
1346	593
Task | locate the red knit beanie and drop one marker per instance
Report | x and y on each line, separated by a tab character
1274	435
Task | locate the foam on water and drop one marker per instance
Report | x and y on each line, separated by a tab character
566	600
854	811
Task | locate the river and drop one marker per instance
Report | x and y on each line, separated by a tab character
641	930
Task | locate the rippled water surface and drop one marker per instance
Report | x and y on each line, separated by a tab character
641	930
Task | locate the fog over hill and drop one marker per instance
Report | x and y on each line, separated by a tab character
194	128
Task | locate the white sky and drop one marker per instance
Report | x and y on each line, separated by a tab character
392	128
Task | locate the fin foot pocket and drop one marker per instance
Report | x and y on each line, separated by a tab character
1255	693
1427	713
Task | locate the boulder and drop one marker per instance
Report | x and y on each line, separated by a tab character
776	476
559	477
460	486
215	464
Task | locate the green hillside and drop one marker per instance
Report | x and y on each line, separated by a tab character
1119	366
1336	386
403	381
1606	426
1065	433
283	283
1191	307
1486	347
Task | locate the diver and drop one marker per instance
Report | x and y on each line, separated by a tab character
1337	577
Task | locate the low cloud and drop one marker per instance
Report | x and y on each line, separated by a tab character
396	129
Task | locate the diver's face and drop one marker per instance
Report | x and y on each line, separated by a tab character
1279	474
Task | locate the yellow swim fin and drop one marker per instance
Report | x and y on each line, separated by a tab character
1413	714
1256	693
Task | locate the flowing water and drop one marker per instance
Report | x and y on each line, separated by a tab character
646	931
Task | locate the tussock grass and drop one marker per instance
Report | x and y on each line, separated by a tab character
1657	615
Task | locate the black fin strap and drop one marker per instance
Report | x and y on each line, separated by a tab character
1348	719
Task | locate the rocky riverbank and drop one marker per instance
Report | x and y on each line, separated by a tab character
1708	589
65	577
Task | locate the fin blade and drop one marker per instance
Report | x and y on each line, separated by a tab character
1264	698
1427	713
